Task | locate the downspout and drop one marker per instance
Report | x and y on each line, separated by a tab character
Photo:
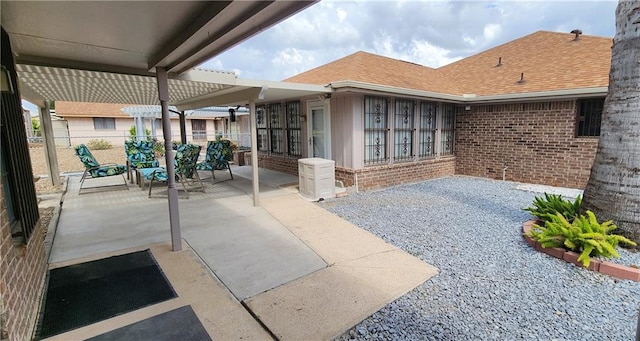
504	171
255	179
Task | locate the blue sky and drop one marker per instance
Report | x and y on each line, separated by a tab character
430	33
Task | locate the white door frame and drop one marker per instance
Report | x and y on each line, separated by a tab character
324	105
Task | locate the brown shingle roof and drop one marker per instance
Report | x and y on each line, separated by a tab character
370	68
549	61
81	109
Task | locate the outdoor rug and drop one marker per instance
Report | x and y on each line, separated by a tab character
178	324
82	294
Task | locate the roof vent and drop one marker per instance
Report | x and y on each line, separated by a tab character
499	62
577	32
521	81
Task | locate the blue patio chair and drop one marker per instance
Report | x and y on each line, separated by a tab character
219	153
140	154
184	163
93	169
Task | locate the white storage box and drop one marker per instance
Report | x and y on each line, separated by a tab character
317	178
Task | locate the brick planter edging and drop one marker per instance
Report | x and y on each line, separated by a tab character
603	267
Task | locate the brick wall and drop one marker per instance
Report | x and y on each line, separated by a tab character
22	273
278	163
397	174
536	141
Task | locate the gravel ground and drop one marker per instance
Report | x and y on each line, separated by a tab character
491	285
68	161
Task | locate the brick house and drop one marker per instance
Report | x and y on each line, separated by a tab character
528	111
112	122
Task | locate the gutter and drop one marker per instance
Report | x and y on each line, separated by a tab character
472	98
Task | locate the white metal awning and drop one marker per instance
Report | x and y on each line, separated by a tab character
135	37
110	51
197	88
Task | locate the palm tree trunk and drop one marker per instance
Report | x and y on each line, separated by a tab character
613	189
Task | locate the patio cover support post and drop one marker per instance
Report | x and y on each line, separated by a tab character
174	215
154	133
140	129
49	143
183	127
254	154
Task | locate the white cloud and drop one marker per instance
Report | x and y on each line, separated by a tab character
289	56
432	56
342	14
491	31
431	33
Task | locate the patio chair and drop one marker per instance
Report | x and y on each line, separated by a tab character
140	154
93	169
184	163
218	155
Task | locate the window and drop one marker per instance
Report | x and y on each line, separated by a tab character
199	130
104	123
589	116
425	128
403	129
427	132
294	132
261	125
448	129
273	124
275	128
375	130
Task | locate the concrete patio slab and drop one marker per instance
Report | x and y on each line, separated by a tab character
246	247
303	271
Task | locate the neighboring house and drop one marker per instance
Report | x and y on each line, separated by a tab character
113	122
528	110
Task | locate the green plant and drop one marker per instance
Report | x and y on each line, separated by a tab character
100	144
133	133
547	207
35	126
584	235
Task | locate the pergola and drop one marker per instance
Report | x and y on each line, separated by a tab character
141	52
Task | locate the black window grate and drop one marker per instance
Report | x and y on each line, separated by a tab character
376	130
294	131
403	129
589	116
447	134
261	125
427	132
275	128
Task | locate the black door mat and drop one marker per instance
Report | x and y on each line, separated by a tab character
86	293
179	324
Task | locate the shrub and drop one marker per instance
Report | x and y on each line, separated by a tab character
547	207
99	144
584	235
